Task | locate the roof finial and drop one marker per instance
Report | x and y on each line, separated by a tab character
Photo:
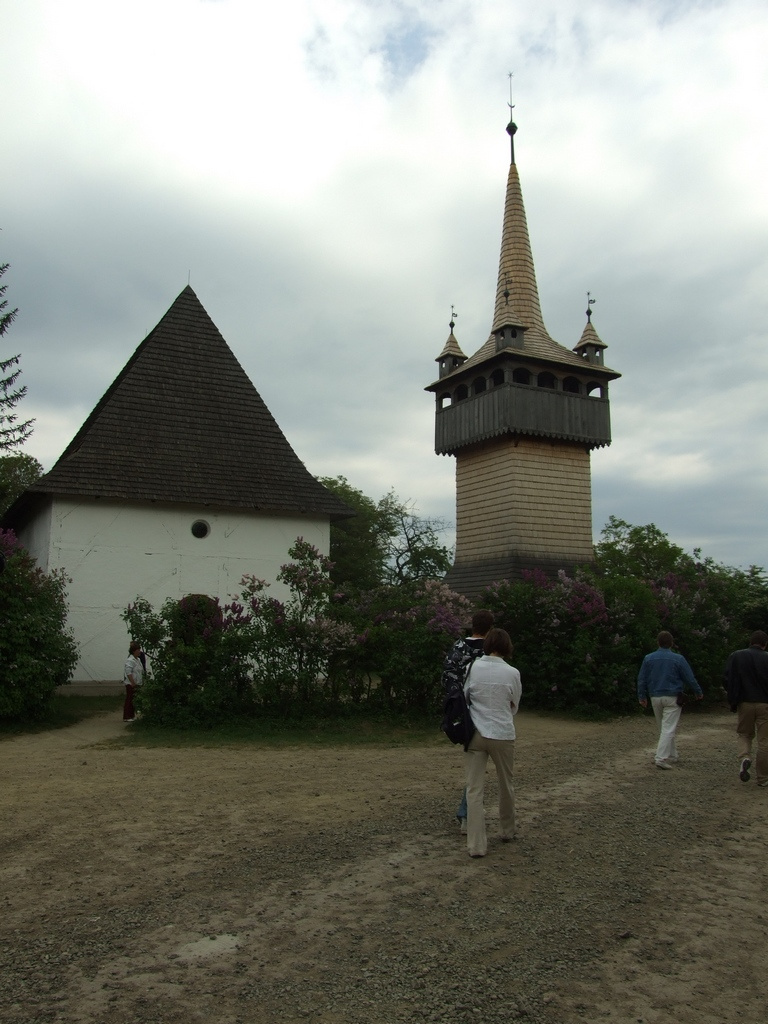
511	127
452	324
590	303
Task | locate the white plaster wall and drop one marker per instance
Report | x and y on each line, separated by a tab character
114	553
36	536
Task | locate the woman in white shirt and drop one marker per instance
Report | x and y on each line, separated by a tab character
493	690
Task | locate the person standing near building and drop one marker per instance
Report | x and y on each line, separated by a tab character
663	677
746	681
133	677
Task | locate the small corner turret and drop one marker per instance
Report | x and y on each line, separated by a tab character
590	347
451	358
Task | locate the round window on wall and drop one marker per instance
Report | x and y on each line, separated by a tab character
200	529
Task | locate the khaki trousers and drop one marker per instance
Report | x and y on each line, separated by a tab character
502	753
753	723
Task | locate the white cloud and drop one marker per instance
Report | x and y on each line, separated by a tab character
332	175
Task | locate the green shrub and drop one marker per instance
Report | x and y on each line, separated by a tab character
37	650
197	676
403	634
579	640
308	655
577	643
210	664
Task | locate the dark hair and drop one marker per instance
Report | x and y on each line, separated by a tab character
665	639
758	639
134	646
498	642
482	621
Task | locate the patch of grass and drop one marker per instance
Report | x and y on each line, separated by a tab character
64	710
379	730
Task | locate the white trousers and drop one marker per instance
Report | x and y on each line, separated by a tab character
667	712
502	753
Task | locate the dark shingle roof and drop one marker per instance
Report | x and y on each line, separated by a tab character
183	423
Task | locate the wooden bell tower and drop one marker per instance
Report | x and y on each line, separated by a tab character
521	417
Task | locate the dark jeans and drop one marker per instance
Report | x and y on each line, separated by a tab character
128	710
462	811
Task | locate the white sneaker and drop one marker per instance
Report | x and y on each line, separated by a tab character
663	764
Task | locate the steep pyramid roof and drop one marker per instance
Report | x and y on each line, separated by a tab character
589	336
451	348
183	423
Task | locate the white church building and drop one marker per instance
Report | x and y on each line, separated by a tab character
180	481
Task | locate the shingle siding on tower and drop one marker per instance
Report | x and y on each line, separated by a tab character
525	497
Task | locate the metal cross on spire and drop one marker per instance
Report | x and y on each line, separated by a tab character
511	127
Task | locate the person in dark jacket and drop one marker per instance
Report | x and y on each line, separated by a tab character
746	682
663	676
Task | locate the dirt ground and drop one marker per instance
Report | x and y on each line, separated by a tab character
332	885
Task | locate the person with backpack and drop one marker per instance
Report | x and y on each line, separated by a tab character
456	666
493	690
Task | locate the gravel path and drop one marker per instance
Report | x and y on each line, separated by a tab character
257	885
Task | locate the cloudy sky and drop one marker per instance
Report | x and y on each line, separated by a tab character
329	176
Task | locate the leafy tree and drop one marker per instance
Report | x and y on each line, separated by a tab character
12	433
643	552
17	472
414	551
37	650
709	608
359	544
387	542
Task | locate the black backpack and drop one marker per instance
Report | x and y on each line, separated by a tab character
457	722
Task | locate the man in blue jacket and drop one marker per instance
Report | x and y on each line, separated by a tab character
746	680
662	677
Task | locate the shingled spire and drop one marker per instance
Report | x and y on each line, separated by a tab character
182	422
517	294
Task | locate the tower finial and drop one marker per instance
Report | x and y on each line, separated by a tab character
454	315
511	127
590	303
